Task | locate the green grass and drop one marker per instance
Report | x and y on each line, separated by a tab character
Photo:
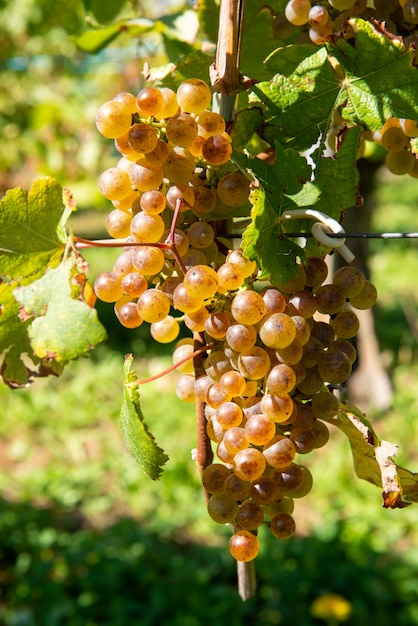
86	538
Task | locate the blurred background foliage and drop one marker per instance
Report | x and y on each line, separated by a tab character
85	538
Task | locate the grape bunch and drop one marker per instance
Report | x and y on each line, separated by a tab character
323	19
271	356
174	172
397	137
274	359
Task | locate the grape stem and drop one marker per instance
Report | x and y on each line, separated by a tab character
173	367
168	244
204	453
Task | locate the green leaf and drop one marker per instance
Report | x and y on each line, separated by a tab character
275	256
245	124
367	77
32	237
93	41
104	10
171	75
139	441
208	13
64	325
373	459
380	81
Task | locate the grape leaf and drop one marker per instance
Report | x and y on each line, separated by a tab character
368	77
276	257
32	238
64	326
373	459
246	122
139	441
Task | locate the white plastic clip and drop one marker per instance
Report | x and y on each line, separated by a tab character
324	224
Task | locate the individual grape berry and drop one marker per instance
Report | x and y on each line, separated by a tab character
325	405
201	281
342	345
350	279
297	11
184	351
277	331
318	15
150	102
248	307
230	276
233	382
146	228
279	451
241	337
250	516
210	123
236	488
214	476
128	100
249	464
320	33
181	130
165	331
330	299
216	364
134	284
153	305
201	235
321	433
194	95
224	454
307	480
113	119
312	382
146	176
235	440
217	324
114	184
148	260
400	162
185	388
259	430
394	139
274	300
196	321
170	107
282	526
107	287
217	150
289	478
334	367
244	546
366	298
128	315
229	414
254	363
179	165
303	303
118	224
316	271
180	192
345	324
341	5
222	509
142	138
281	379
303	439
264	490
277	408
205	200
233	189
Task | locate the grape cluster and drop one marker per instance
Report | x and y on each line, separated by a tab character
272	355
275	357
323	19
174	170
